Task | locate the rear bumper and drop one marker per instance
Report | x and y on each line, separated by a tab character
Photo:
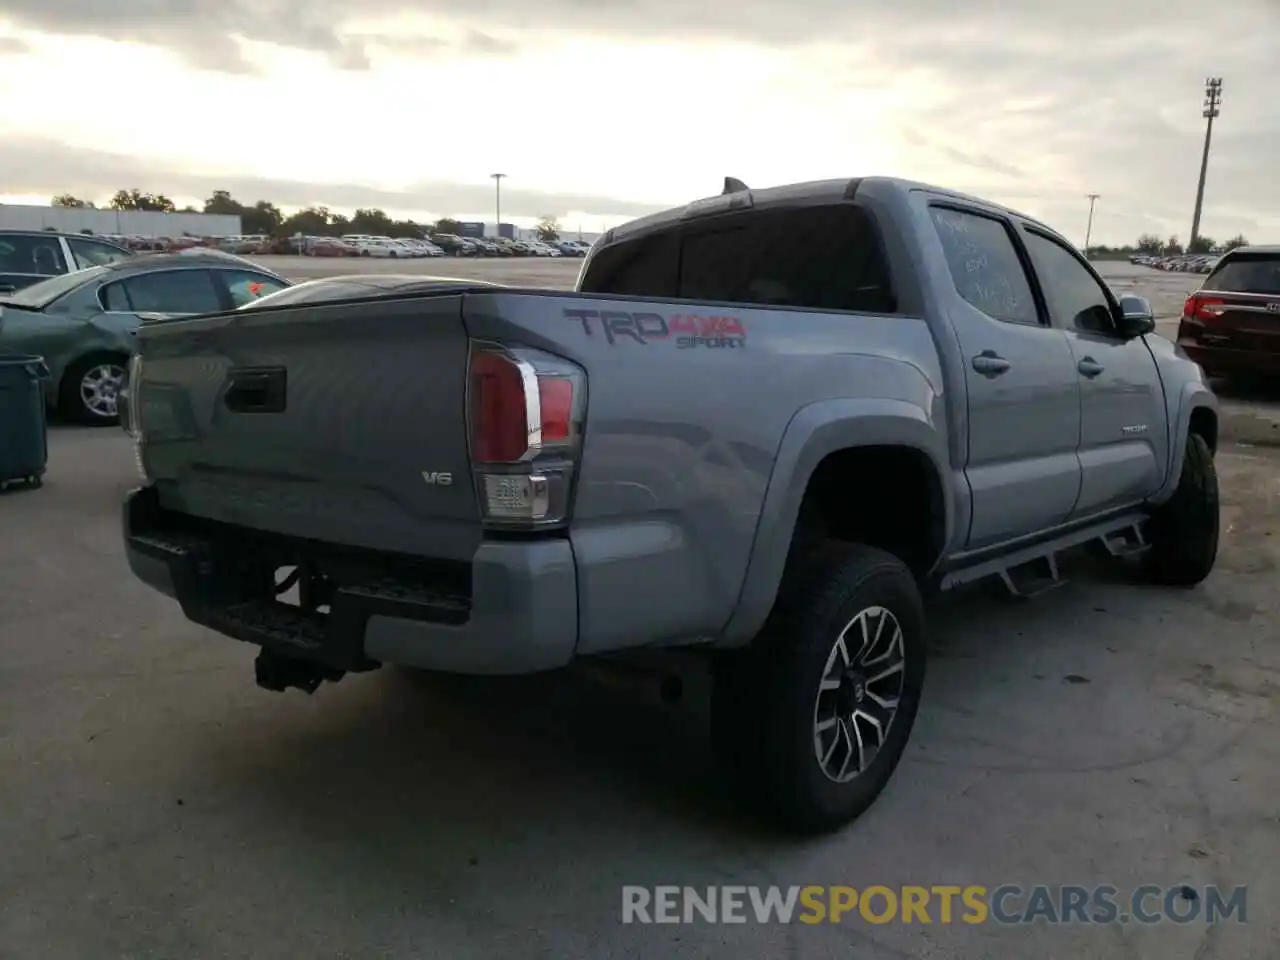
520	614
1225	360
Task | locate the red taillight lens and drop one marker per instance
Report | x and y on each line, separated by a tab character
501	430
525	425
555	400
1202	308
499	415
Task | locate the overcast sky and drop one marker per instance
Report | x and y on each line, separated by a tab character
601	110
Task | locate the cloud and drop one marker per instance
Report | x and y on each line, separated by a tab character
207	33
1035	104
951	31
47	167
12	46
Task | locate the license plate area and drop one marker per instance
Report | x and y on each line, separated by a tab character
300	597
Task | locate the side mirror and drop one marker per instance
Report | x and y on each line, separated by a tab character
1136	317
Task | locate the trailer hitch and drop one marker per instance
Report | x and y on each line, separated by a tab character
278	672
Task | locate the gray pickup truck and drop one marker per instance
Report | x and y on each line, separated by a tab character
765	426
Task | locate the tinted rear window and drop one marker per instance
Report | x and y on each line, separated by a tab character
820	258
1247	273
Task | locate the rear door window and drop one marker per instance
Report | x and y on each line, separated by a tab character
819	258
1247	273
984	264
32	254
168	291
245	286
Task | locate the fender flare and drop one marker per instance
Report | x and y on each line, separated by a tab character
1193	396
817	430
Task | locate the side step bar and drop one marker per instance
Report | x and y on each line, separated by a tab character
1033	570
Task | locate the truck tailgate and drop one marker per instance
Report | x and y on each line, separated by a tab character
335	422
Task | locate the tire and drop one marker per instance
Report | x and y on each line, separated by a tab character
1183	531
75	395
769	718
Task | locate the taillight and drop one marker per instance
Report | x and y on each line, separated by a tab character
1203	308
525	415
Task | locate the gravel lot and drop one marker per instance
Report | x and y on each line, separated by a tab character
158	805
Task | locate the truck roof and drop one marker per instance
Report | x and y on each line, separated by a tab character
834	190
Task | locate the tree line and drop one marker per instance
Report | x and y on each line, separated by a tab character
264	217
1151	244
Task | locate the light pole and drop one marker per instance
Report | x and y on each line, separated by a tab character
1212	100
497	202
1088	231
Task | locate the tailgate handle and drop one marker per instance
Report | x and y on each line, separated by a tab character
260	390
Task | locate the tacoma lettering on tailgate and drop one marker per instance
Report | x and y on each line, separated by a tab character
689	330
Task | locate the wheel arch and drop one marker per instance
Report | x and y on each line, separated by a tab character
1196	412
827	447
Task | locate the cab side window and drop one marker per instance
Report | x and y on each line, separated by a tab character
31	254
984	265
1076	300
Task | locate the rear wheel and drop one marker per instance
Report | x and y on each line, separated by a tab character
1183	532
91	388
815	714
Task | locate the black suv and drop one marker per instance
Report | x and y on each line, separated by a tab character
27	256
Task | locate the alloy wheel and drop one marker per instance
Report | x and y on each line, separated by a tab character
858	694
100	389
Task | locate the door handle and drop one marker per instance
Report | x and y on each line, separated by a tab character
1090	367
990	364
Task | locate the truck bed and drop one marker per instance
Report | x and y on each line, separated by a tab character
687	408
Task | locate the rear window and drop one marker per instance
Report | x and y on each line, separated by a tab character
817	258
1247	273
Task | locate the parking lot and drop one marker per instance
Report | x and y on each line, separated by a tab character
158	804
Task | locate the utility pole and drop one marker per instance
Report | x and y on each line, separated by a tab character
497	187
1212	100
1088	231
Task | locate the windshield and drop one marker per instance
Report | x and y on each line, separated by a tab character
40	295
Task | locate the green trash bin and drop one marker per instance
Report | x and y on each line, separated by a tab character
24	439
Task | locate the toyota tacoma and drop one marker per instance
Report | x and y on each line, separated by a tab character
765	426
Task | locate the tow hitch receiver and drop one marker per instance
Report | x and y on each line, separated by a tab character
278	672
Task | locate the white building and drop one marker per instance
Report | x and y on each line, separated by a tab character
129	223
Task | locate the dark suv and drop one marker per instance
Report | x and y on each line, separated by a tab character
1231	325
28	256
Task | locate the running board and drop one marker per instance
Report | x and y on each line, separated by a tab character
1129	542
1032	570
1033	579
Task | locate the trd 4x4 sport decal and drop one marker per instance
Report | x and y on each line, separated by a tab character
689	330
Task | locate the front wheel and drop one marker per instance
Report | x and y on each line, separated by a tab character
1183	531
814	715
